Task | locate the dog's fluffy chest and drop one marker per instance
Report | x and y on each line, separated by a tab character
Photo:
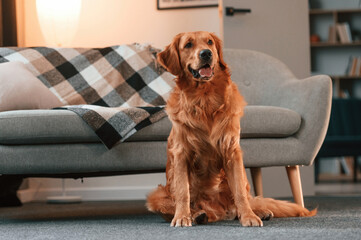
203	118
200	118
198	112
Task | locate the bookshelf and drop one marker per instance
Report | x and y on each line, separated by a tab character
333	55
330	55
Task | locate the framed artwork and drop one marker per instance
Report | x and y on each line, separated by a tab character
178	4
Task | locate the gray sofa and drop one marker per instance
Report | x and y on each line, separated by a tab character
285	124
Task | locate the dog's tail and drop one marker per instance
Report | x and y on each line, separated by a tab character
280	208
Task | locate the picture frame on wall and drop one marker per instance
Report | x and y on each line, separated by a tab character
179	4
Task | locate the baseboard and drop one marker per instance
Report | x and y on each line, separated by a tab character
88	194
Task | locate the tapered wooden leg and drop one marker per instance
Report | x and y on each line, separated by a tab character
294	177
257	181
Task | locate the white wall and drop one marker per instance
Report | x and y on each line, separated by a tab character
112	22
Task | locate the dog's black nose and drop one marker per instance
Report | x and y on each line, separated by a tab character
205	54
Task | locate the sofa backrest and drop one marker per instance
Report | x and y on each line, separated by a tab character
257	75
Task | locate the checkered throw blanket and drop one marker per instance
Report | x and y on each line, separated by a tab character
116	90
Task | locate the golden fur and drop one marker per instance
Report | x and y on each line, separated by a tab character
206	179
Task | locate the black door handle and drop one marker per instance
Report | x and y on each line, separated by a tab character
230	11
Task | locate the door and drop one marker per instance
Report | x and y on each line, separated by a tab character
279	28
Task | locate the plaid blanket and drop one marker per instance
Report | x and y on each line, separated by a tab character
116	90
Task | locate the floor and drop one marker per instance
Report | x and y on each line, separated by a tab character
338	189
337	218
341	184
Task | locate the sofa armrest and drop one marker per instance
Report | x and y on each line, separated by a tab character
265	80
311	98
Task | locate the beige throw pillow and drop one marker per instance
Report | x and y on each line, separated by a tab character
20	89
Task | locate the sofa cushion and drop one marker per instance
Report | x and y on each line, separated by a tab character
62	126
19	89
269	122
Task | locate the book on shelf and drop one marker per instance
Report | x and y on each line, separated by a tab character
332	34
344	93
344	32
354	66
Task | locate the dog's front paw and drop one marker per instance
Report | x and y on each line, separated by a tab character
181	221
251	220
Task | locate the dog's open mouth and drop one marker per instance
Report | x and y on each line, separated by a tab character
204	73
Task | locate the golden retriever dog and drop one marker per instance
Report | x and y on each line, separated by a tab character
206	178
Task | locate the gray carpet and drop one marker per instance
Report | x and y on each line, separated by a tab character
338	218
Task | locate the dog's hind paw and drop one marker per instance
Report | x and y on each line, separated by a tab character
200	217
264	214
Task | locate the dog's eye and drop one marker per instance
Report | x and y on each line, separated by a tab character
210	42
188	45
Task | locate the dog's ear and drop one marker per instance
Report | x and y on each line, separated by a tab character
169	57
219	47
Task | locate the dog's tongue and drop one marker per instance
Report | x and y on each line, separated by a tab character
205	72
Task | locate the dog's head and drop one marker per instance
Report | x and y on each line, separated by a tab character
195	55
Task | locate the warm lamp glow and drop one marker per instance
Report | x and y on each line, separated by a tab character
58	20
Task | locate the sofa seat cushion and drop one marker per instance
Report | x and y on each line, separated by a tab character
62	126
269	122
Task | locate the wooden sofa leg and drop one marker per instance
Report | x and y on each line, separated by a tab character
257	181
294	178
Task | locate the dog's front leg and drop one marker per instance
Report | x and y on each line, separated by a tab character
182	216
237	181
